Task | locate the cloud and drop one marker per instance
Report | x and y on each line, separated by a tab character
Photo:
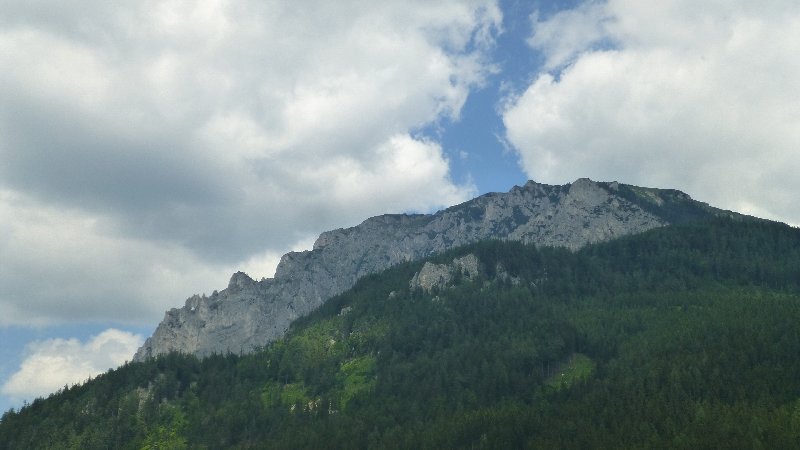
62	266
568	33
147	144
51	364
696	97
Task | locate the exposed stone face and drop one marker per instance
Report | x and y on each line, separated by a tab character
437	276
249	314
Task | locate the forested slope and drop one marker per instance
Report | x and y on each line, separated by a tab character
681	337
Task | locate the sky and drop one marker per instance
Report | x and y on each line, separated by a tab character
151	148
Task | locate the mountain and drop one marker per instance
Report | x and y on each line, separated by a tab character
683	336
249	314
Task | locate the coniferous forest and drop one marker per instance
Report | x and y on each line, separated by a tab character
681	337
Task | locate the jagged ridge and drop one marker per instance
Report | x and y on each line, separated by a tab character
250	314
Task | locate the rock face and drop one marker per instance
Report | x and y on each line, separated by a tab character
249	314
437	276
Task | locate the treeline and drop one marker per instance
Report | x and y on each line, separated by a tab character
681	337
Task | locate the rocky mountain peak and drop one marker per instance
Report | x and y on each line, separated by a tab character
250	314
240	280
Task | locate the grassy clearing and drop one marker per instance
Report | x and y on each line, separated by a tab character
356	376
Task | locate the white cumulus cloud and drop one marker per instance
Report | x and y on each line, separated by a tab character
700	96
51	364
150	148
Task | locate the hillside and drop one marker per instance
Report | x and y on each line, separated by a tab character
683	336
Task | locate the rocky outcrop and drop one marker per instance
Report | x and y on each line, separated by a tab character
437	276
249	314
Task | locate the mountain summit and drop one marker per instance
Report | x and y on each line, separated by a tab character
250	314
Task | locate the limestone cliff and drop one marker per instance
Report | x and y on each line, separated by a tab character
438	276
249	314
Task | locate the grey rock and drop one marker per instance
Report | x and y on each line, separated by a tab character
503	275
250	314
437	276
